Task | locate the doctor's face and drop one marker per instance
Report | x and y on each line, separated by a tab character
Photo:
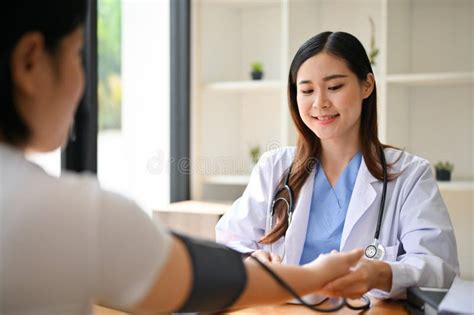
329	97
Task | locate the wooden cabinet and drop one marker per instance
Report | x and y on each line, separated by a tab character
194	218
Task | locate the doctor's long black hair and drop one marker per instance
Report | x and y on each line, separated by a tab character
308	150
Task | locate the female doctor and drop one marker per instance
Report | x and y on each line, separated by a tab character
328	193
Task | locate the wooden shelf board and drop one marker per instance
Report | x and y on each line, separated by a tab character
432	78
245	86
456	186
240	180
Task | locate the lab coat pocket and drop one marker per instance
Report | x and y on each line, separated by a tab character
391	252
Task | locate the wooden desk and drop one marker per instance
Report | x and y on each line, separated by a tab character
179	215
379	307
99	310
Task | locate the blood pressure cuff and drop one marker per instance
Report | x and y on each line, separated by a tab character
219	275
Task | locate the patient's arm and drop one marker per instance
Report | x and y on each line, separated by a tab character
174	283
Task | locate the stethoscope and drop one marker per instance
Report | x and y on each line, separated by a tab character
374	251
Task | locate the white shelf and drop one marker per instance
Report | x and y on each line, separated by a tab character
432	78
243	3
245	86
456	186
239	180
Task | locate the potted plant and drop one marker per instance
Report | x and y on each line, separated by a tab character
374	51
255	153
443	170
257	71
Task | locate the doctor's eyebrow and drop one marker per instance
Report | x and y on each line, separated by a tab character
328	78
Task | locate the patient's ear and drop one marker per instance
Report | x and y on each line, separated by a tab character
368	85
27	63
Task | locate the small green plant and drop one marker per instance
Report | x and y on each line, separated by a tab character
374	51
257	67
446	166
255	153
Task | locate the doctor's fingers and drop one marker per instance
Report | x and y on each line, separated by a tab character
341	263
275	258
334	266
352	285
263	256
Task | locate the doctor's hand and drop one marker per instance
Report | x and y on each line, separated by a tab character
266	257
365	276
335	265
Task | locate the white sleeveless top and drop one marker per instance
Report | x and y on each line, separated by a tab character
65	244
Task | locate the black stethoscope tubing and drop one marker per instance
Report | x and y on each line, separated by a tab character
290	207
290	210
384	194
344	302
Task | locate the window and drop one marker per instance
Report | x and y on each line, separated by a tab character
133	119
133	91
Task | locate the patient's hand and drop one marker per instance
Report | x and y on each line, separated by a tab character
266	257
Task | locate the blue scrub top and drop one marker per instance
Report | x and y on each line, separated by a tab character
328	210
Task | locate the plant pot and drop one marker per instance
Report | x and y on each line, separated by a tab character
443	175
256	75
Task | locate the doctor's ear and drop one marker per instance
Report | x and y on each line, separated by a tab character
368	85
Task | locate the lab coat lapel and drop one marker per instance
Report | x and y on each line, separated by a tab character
362	198
296	233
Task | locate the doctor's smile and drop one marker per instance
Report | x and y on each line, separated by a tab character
326	119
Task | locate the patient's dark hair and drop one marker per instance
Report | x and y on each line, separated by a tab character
54	19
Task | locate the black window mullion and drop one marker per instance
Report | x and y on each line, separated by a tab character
80	153
180	100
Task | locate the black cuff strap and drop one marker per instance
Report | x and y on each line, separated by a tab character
219	275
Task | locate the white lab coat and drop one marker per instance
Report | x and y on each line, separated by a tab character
416	230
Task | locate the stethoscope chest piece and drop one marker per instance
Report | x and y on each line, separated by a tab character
375	251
